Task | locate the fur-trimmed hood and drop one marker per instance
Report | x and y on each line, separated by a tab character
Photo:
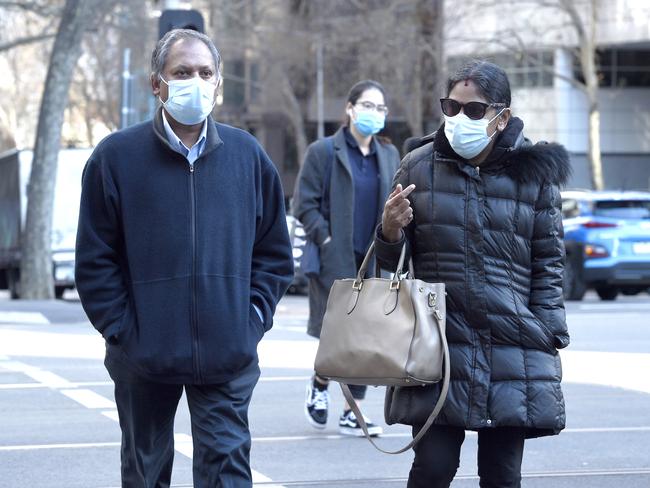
516	156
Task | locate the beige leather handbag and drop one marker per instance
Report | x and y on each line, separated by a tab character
391	332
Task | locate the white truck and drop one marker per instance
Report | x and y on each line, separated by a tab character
15	167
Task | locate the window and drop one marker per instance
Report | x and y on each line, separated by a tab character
233	83
622	209
534	69
632	68
620	68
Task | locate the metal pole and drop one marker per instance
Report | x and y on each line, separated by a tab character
319	88
126	78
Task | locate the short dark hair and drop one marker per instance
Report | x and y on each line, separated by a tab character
491	80
161	51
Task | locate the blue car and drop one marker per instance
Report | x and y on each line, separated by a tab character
607	239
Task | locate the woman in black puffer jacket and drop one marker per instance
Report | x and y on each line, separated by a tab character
479	209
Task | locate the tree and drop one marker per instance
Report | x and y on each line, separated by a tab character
36	263
585	29
25	33
95	91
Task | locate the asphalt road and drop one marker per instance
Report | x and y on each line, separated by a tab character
58	423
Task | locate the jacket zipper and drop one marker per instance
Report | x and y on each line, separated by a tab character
193	312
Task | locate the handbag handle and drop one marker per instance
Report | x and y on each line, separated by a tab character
432	416
398	272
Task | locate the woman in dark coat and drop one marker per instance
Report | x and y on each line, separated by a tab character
479	209
343	184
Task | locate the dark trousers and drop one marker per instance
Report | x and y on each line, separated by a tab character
437	457
220	435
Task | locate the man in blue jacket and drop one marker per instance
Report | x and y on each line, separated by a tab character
182	255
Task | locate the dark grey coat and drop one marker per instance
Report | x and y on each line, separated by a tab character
494	236
337	256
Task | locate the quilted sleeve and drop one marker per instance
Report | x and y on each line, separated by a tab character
547	248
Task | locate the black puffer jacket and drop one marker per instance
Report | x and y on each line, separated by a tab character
494	236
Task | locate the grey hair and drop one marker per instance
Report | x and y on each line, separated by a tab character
161	51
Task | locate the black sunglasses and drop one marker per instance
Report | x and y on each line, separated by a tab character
474	110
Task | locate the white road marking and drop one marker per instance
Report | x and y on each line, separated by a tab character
590	317
290	328
44	378
287	354
405	434
614	369
89	398
49	379
31	386
23	318
27	386
35	447
183	445
265	379
604	307
260	478
183	442
111	414
30	343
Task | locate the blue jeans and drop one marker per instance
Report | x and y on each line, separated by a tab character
221	439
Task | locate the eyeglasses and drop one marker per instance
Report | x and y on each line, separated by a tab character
367	106
474	110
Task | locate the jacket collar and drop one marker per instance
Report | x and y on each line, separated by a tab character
212	140
341	150
515	156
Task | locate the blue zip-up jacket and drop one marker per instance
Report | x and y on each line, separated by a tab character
171	258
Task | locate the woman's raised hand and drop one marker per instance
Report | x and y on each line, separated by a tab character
397	213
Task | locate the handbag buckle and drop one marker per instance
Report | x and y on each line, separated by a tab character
433	298
394	285
357	285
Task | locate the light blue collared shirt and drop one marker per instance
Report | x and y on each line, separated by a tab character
193	153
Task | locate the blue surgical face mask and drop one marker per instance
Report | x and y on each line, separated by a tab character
368	122
189	101
468	137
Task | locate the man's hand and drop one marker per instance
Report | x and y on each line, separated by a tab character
397	213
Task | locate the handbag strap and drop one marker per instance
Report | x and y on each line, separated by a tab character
432	416
397	277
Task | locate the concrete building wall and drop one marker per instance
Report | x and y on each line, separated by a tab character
624	118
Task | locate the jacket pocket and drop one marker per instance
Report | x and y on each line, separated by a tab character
256	322
115	332
547	342
158	336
